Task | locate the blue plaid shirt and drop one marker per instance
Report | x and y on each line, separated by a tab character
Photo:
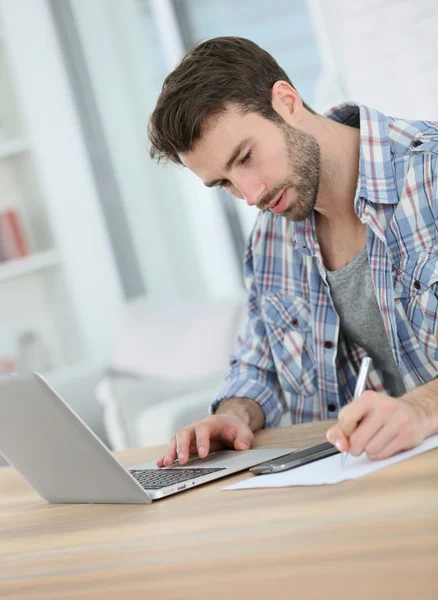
290	357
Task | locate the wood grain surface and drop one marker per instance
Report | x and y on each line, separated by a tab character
375	537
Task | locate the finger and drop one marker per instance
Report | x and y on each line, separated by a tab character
231	432
202	433
184	438
170	456
193	449
336	436
365	431
397	444
351	414
381	440
244	438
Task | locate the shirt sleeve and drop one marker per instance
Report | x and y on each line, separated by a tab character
252	372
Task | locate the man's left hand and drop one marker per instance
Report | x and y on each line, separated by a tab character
378	425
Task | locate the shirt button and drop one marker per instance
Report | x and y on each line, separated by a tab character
328	345
417	284
294	322
416	143
332	407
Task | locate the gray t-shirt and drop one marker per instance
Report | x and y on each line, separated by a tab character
353	296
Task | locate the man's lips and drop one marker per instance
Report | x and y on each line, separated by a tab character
280	206
274	202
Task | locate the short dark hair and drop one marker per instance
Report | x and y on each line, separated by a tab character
213	75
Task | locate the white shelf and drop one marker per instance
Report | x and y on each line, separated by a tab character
28	264
13	147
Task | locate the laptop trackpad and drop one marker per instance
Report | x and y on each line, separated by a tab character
225	458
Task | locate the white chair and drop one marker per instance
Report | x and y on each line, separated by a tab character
168	363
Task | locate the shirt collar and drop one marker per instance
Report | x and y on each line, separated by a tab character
376	175
376	181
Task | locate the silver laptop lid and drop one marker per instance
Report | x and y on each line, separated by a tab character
55	451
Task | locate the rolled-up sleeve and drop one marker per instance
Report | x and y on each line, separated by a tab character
252	371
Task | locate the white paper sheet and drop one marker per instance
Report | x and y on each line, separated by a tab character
329	470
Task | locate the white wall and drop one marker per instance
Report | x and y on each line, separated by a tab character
94	296
385	53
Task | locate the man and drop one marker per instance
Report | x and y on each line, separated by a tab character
342	261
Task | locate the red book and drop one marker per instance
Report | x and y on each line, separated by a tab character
3	255
11	235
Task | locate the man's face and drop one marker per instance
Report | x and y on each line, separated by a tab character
270	165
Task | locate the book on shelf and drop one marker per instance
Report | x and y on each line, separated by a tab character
12	241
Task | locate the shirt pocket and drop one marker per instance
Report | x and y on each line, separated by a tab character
416	291
289	328
429	145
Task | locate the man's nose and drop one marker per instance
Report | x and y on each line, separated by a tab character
252	191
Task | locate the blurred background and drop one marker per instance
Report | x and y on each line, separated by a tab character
120	280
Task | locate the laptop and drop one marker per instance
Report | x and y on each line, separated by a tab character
64	461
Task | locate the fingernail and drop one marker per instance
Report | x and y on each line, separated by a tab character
180	455
201	450
338	445
244	444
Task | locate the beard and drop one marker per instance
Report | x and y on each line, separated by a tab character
304	166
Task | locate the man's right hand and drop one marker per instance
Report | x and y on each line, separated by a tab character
232	426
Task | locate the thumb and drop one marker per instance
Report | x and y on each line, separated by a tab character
241	444
234	432
244	438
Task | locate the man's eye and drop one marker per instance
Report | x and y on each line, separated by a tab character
246	157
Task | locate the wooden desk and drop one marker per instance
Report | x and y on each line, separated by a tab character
376	537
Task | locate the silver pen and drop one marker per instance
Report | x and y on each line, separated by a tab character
358	390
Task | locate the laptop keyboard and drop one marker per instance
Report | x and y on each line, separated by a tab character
155	479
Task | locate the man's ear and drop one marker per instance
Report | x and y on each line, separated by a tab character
287	102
